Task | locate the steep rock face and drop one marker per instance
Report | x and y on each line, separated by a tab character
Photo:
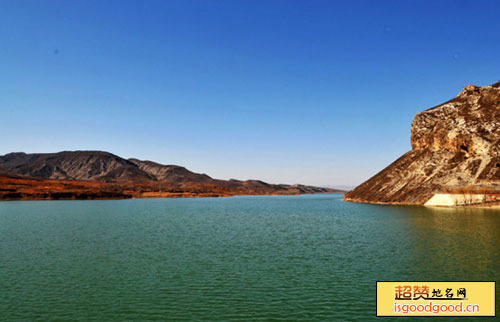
454	145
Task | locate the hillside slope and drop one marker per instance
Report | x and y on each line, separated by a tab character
73	165
171	173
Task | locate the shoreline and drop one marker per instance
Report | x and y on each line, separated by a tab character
172	196
492	205
22	188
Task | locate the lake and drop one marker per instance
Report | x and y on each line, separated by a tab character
308	257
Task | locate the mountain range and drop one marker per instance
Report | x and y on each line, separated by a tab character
94	165
99	174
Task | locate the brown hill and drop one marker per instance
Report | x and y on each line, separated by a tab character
170	173
73	165
454	145
101	175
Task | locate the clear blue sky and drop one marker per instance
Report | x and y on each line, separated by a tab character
314	92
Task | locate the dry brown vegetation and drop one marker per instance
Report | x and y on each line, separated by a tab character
16	187
103	175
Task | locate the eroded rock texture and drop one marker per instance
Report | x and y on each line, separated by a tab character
454	145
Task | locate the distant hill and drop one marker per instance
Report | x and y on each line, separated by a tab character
98	174
170	173
73	165
95	166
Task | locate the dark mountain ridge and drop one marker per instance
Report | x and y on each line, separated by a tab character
106	168
73	165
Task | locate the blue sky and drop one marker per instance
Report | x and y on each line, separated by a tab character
314	92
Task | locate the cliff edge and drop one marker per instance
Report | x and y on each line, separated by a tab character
455	146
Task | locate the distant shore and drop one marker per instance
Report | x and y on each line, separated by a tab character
162	196
20	188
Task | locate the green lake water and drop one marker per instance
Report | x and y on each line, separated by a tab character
310	257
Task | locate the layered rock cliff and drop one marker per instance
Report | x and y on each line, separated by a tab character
454	145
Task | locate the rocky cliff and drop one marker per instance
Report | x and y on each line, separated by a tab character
454	145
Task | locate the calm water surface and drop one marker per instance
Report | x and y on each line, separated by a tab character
311	257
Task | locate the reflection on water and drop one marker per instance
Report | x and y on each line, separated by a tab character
456	242
281	257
